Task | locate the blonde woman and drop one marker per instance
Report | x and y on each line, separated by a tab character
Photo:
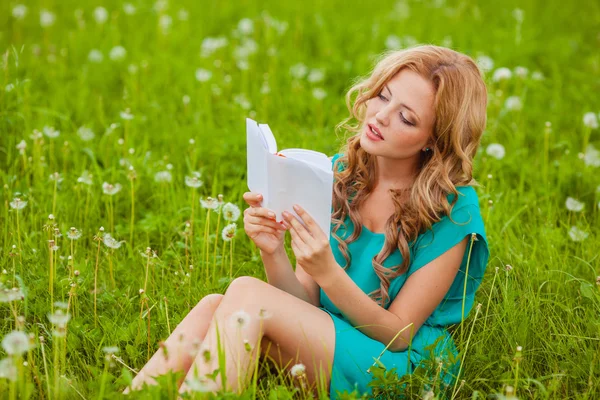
407	252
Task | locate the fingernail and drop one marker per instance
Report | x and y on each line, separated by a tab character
272	215
296	207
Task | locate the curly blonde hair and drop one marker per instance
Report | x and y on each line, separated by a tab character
460	117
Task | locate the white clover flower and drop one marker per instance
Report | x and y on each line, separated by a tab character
163	176
485	63
47	18
73	233
164	22
16	342
241	100
85	178
85	133
590	120
246	26
228	232
210	203
319	93
117	53
203	75
129	9
574	205
21	146
194	180
59	318
231	212
19	11
111	189
496	150
100	15
591	157
298	370
521	71
298	70
8	369
212	44
50	132
393	42
577	234
18	204
111	242
95	56
513	103
501	74
239	319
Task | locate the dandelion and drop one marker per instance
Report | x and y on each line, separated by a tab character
126	115
111	189
521	72
129	9
110	350
590	120
574	205
245	26
241	100
485	63
298	70
100	15
315	75
16	343
496	150
163	176
210	203
85	178
393	42
111	242
591	157
239	319
61	304
164	22
19	11
47	18
8	369
264	314
186	99
298	370
85	133
50	132
18	204
74	233
537	76
577	235
513	103
231	212
501	74
10	295
319	93
117	53
183	15
212	44
203	75
228	232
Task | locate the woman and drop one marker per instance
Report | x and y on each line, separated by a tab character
407	251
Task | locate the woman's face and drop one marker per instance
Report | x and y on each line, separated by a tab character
403	112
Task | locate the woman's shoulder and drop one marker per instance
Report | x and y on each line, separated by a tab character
467	196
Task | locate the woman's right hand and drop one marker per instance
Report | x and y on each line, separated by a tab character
264	230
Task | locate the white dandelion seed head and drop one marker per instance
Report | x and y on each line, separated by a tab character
127	116
485	63
9	295
537	76
393	42
501	74
85	133
117	53
61	304
50	132
163	176
239	319
110	189
574	205
519	348
210	203
59	318
8	370
164	22
19	11
245	26
194	181
496	150
47	18
111	242
521	71
229	231
56	177
74	233
264	314
316	75
183	15
319	93
241	100
591	156
590	120
231	212
16	342
203	75
85	178
577	234
212	44
129	9
100	15
95	56
298	370
18	204
513	103
110	350
298	70
186	99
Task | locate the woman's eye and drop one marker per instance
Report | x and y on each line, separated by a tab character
381	96
407	122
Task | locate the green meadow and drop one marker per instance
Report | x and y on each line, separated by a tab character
123	164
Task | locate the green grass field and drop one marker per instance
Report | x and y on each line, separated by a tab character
143	94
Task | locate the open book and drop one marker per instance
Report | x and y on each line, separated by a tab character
288	177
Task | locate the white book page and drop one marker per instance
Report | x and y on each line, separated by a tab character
256	154
293	181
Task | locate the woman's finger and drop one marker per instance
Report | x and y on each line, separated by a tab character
299	228
250	219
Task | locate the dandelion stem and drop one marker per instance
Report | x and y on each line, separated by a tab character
216	241
54	196
46	369
19	241
231	259
132	214
465	288
462	362
96	285
192	217
167	315
206	247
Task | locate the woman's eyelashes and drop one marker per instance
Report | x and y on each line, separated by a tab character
407	122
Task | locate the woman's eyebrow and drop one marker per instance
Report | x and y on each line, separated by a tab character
402	104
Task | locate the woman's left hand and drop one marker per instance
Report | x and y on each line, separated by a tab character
310	245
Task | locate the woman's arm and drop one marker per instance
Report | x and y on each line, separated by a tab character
281	275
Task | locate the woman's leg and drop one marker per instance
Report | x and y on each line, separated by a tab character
181	347
298	327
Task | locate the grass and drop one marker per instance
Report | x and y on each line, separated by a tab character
156	112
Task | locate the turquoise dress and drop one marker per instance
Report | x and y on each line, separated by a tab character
354	351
